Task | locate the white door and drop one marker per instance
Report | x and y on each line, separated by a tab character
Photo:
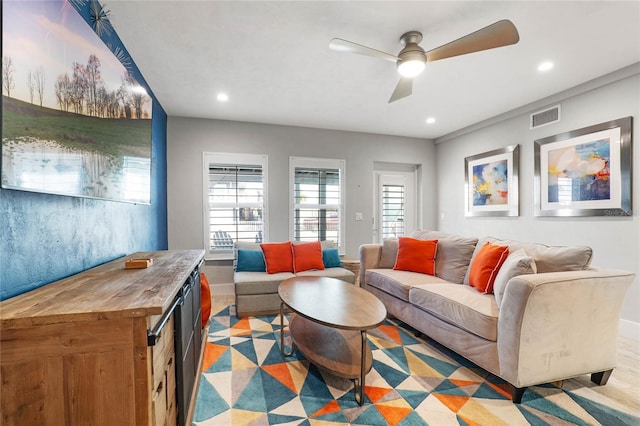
395	211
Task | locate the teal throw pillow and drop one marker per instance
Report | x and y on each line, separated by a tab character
250	261
331	258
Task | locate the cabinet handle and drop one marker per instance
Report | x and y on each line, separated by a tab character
153	335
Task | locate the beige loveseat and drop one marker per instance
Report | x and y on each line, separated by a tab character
542	327
256	293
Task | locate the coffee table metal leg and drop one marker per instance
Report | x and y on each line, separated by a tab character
358	384
282	350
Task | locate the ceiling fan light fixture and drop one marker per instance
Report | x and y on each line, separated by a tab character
411	67
411	59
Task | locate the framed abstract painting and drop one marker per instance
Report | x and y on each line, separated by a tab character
491	183
585	172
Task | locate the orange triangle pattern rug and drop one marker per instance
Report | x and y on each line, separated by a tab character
413	381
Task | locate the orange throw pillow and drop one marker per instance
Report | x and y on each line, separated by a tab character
307	256
205	298
278	257
416	255
485	266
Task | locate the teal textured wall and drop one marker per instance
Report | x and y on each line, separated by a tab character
47	237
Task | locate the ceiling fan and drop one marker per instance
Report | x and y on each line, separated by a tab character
412	58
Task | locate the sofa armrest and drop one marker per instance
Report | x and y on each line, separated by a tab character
557	325
369	258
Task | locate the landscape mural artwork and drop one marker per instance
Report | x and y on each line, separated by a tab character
74	120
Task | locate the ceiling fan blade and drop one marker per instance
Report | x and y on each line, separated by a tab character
501	33
340	45
403	89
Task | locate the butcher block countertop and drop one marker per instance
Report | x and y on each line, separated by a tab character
107	291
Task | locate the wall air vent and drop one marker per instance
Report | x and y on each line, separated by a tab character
547	116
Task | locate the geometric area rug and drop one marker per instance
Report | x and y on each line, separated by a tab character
414	381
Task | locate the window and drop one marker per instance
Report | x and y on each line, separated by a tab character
235	201
393	210
317	209
395	202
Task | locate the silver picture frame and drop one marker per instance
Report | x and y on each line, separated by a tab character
585	172
491	183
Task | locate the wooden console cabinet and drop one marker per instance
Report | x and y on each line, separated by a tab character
99	348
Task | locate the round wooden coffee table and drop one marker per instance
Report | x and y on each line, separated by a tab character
329	325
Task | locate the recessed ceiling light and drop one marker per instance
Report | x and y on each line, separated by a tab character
431	120
223	97
545	66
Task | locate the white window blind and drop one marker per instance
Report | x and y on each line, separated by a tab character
235	199
393	210
317	212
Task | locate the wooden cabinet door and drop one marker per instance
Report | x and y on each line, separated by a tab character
68	374
32	392
97	383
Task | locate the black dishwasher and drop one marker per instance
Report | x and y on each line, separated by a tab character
188	342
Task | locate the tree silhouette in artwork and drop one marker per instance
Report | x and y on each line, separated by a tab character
84	92
39	79
8	81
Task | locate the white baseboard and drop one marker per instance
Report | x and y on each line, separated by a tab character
629	329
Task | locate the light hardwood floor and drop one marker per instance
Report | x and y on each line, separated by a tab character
623	385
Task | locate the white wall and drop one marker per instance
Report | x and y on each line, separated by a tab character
188	138
615	240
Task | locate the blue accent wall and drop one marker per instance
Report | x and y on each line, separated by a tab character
44	238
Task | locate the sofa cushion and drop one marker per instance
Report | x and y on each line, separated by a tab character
278	257
307	256
249	245
453	256
485	266
331	258
398	283
250	261
547	258
243	245
205	299
416	255
460	305
339	273
389	253
518	263
259	282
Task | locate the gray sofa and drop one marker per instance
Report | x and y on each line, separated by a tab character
256	293
537	328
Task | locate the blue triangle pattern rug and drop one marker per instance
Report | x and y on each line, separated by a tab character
413	381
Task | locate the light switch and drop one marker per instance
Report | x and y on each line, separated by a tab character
359	216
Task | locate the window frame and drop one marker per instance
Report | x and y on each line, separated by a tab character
318	163
236	159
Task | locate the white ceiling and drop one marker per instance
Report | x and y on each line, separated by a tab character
273	60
